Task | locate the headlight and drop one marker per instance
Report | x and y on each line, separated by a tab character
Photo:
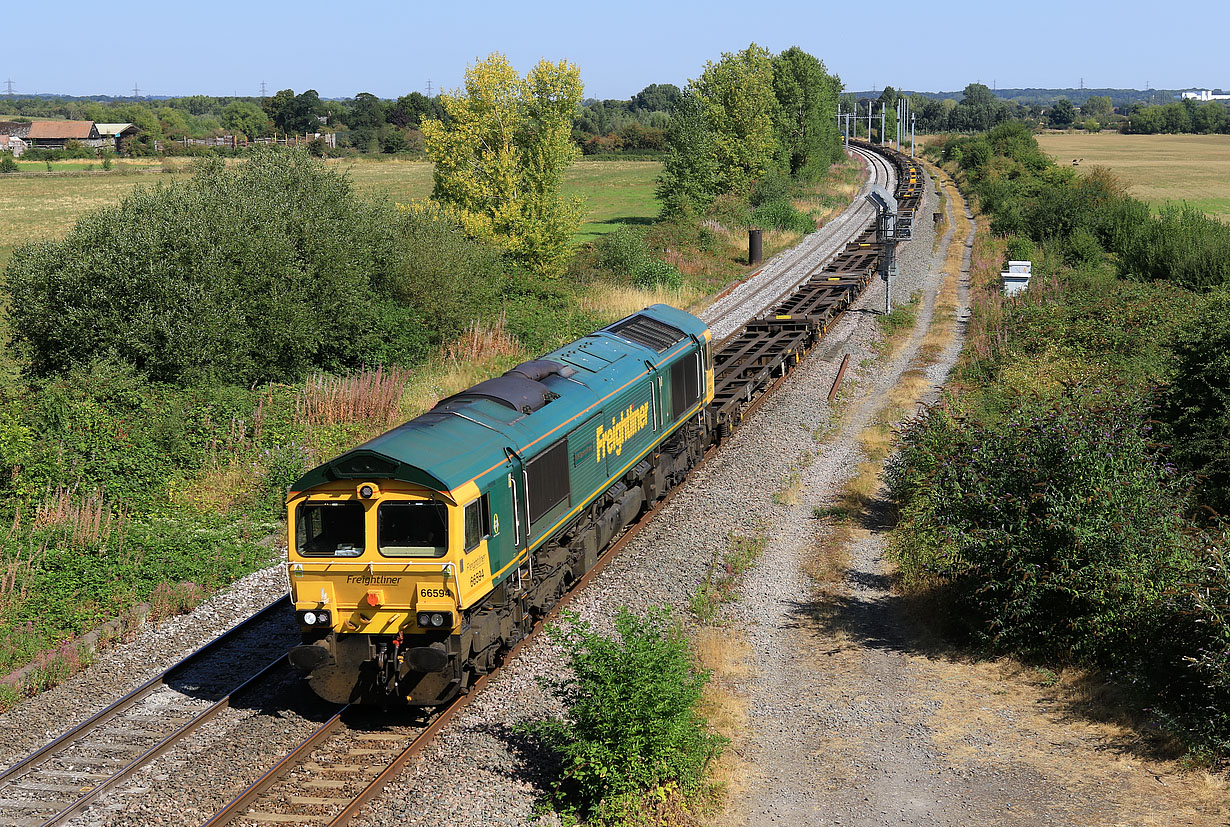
309	618
429	620
319	617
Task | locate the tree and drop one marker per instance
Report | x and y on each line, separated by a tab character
245	118
174	124
657	97
888	100
741	108
259	272
1097	107
978	110
500	158
689	180
295	113
410	110
807	111
365	118
978	94
1062	114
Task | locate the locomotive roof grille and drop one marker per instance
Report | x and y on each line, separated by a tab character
647	331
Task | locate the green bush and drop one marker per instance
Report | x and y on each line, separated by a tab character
772	186
624	253
447	278
1020	249
1197	400
632	726
1197	694
1057	529
781	214
1083	248
262	271
7	163
1182	245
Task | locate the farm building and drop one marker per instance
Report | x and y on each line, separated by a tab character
13	137
55	134
117	132
13	144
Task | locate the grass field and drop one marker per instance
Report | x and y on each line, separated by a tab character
84	166
46	207
1158	169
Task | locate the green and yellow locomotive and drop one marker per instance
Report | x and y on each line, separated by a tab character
416	559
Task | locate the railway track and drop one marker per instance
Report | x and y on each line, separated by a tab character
56	782
787	271
349	758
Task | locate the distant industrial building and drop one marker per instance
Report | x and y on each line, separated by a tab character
1204	95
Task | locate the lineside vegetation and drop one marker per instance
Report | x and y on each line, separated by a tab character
1061	503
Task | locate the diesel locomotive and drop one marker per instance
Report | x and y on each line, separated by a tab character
416	559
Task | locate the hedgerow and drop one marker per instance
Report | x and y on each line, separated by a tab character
261	271
1050	506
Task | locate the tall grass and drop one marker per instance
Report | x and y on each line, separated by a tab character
483	342
372	397
85	521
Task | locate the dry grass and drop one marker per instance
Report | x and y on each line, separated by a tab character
1156	168
829	560
372	397
791	490
485	350
722	651
613	301
1070	728
725	654
827	200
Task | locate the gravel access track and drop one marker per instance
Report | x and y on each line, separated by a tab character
861	718
787	270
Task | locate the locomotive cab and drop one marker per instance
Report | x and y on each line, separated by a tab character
375	568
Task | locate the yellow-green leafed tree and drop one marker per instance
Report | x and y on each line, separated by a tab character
501	156
740	107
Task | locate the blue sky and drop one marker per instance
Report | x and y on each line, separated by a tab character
390	49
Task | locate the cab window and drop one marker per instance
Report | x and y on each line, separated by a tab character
477	522
329	529
412	529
